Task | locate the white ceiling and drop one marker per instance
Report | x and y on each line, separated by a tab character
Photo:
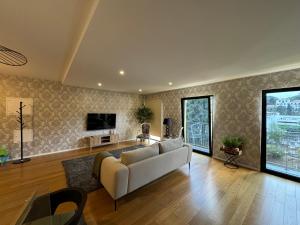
44	31
187	42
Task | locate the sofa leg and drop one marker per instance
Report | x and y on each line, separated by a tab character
115	205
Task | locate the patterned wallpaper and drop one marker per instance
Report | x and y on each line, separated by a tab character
237	108
59	114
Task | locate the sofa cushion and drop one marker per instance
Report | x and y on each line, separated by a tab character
170	145
145	171
155	146
139	154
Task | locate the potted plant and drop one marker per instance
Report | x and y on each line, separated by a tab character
232	144
143	114
3	154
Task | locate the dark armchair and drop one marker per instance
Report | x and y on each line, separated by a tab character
145	132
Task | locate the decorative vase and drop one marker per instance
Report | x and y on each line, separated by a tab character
3	160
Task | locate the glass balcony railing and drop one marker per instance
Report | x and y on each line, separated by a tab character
283	132
197	121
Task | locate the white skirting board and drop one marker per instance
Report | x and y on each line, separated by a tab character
60	151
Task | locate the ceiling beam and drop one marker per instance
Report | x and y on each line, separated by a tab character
88	15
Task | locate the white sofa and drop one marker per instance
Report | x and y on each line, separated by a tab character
138	167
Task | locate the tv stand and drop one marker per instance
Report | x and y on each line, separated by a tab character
103	139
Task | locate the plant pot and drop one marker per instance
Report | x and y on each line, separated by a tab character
3	160
230	150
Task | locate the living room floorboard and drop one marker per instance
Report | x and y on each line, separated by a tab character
207	194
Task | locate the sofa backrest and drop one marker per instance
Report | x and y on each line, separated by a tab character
143	172
140	154
170	145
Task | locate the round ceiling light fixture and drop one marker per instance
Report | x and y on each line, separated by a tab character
140	90
11	58
99	84
170	83
122	72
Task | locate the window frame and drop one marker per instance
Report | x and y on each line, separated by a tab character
210	120
263	158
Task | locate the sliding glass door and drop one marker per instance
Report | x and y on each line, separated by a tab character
196	119
281	132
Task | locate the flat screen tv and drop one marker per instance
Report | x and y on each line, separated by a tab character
101	121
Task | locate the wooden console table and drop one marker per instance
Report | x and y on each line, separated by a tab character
103	139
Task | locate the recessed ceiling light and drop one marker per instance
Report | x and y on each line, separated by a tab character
170	83
121	72
99	84
140	90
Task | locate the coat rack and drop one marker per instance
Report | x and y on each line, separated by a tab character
22	125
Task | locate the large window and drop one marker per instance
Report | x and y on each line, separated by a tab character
196	118
281	132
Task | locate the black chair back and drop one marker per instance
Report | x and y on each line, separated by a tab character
76	195
47	204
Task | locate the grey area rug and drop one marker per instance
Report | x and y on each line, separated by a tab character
78	171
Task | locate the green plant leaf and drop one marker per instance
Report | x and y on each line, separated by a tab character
233	141
143	114
3	151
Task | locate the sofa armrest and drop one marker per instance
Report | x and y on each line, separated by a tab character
114	177
190	151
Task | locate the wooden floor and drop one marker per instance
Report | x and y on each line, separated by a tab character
209	194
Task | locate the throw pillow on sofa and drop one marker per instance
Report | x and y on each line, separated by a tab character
139	154
170	145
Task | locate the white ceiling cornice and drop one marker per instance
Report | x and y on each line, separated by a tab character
238	76
90	10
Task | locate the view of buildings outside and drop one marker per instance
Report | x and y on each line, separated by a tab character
196	123
283	132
